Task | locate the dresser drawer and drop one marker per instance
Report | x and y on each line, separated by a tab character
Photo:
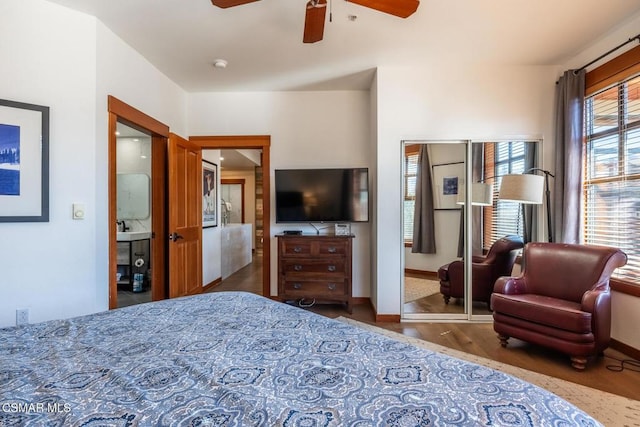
313	266
319	288
295	247
332	247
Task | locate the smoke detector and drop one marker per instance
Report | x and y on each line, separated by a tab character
220	63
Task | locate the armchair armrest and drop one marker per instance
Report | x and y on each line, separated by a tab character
510	285
597	301
456	272
593	297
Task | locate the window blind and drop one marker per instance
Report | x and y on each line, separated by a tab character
503	218
410	173
612	172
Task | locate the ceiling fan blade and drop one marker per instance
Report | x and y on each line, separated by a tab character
230	3
314	21
399	8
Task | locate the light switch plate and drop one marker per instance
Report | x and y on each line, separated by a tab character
78	211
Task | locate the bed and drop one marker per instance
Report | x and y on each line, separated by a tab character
238	359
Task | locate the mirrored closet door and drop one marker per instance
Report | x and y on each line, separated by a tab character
440	215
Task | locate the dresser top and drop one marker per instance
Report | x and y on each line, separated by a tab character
315	236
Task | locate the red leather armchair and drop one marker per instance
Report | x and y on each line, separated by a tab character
484	271
561	300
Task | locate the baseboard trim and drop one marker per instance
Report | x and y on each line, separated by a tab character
361	300
423	274
211	285
387	318
624	348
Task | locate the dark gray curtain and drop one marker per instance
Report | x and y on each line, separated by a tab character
424	237
567	186
477	175
530	211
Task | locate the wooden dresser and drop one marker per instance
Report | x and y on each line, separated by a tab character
315	269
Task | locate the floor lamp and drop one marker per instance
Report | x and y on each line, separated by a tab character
526	189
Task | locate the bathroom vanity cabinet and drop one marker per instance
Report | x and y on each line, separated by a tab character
130	251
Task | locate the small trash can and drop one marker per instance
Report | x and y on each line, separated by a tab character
138	279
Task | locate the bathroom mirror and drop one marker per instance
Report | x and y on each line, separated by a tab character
132	196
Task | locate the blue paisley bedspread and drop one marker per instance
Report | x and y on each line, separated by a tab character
238	359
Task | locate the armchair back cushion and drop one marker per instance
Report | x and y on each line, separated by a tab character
565	271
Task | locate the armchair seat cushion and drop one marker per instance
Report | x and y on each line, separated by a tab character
564	340
544	310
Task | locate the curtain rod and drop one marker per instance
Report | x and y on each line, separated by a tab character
609	52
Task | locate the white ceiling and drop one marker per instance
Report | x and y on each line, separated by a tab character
262	41
235	160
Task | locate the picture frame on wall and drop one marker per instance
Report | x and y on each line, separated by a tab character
209	194
448	179
24	162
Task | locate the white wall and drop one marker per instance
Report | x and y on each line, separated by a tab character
211	240
70	62
446	102
308	129
49	59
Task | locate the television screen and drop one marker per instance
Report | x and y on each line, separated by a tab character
322	195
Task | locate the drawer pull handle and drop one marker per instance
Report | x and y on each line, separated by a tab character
331	286
297	249
297	285
331	268
297	267
332	249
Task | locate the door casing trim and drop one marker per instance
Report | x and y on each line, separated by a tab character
260	142
119	111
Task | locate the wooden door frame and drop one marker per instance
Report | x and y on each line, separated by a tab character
259	142
121	112
240	181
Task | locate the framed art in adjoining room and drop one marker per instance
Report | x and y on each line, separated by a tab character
448	179
24	162
209	194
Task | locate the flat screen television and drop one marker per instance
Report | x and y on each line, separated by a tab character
322	195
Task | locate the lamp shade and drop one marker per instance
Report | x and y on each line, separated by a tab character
481	194
523	188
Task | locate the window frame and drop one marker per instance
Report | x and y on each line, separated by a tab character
609	74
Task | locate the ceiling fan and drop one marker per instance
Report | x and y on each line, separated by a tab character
316	11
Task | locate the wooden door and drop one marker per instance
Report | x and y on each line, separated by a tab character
185	217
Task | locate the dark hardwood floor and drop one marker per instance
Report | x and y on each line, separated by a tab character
478	339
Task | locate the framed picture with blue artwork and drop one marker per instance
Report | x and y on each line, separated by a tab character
448	179
24	162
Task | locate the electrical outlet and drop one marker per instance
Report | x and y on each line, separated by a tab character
22	316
